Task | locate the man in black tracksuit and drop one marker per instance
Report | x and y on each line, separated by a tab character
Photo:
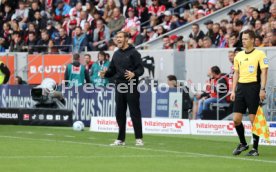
126	67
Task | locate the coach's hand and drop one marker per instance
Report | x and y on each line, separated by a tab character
262	95
129	75
233	96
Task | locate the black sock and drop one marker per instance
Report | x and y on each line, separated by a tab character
240	131
255	141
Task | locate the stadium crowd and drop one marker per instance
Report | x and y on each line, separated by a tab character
227	32
62	26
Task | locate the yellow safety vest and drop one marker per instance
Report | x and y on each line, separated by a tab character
2	76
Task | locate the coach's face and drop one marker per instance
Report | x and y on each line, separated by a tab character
121	40
247	41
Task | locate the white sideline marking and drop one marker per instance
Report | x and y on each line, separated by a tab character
147	149
94	156
69	136
49	134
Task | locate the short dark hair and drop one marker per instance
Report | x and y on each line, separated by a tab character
236	34
216	70
32	33
172	78
126	34
251	33
102	53
259	37
88	55
76	56
239	23
195	24
166	36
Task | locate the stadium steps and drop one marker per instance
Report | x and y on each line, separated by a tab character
186	29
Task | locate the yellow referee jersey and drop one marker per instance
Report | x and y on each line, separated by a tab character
249	65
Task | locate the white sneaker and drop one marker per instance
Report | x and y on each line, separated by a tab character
118	143
139	142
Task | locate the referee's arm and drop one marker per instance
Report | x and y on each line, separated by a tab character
235	79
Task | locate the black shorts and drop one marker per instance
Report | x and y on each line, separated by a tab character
247	96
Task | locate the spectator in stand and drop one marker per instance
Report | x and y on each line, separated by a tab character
52	49
231	14
167	20
15	27
153	21
216	35
180	44
7	14
34	8
51	29
17	44
264	16
62	9
21	14
209	26
117	22
231	56
259	41
43	42
233	40
266	5
150	34
39	21
143	12
5	36
176	22
166	43
156	9
79	41
258	27
88	62
196	33
131	21
223	23
229	28
31	43
207	42
160	30
76	11
63	42
125	5
90	7
109	10
85	17
101	36
238	27
135	37
255	16
222	41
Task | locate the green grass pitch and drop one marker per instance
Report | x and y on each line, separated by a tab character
53	149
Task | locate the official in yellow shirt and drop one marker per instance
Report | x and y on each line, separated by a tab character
249	83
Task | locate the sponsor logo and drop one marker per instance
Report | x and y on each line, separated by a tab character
65	118
49	117
266	60
26	117
41	117
58	117
34	117
230	126
47	69
179	124
8	115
